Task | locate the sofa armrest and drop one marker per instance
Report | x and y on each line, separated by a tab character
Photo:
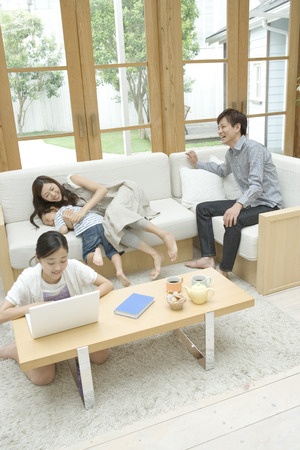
278	253
5	267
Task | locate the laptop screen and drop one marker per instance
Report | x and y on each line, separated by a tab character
62	315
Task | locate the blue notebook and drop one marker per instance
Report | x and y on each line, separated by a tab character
134	305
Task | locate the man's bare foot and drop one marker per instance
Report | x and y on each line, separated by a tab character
124	280
171	246
225	274
157	259
203	263
9	351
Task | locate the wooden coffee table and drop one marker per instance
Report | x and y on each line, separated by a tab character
113	330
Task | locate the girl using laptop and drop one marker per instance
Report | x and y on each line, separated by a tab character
54	277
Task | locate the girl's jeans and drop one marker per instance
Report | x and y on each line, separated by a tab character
231	241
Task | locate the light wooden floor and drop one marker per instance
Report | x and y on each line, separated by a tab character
266	416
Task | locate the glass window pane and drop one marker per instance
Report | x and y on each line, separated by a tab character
268	28
125	142
266	87
203	29
268	131
118	31
204	38
32	33
41	102
202	134
41	152
276	86
275	133
257	87
122	97
204	86
256	129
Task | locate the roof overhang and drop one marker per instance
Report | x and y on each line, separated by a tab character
269	10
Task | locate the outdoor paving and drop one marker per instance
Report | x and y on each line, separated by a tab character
36	153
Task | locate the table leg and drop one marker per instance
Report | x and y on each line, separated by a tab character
81	370
208	361
206	358
189	344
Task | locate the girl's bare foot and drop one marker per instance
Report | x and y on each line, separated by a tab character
157	259
171	245
124	280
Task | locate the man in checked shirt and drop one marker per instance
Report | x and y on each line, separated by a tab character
253	169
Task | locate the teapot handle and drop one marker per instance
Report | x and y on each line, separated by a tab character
210	293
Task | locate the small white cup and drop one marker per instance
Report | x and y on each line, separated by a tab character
201	279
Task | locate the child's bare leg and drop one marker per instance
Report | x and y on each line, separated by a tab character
131	240
40	377
9	351
157	259
117	262
97	257
100	356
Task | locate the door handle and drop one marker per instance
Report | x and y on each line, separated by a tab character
95	126
81	126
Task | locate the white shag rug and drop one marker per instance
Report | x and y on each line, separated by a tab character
146	378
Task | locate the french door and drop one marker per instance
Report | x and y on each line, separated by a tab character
88	95
42	87
83	86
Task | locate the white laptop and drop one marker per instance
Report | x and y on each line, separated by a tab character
62	315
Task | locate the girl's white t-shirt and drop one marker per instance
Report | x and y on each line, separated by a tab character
57	291
29	287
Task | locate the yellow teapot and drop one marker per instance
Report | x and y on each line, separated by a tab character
199	293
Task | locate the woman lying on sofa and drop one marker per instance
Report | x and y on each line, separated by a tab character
123	205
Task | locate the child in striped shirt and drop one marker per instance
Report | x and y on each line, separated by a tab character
91	231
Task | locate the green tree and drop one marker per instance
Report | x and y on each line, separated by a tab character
105	47
26	46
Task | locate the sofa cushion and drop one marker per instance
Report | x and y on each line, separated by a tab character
199	186
288	169
22	238
179	160
173	217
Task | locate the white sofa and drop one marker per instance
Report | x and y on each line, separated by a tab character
151	171
269	253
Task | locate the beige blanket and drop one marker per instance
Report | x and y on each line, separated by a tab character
124	204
